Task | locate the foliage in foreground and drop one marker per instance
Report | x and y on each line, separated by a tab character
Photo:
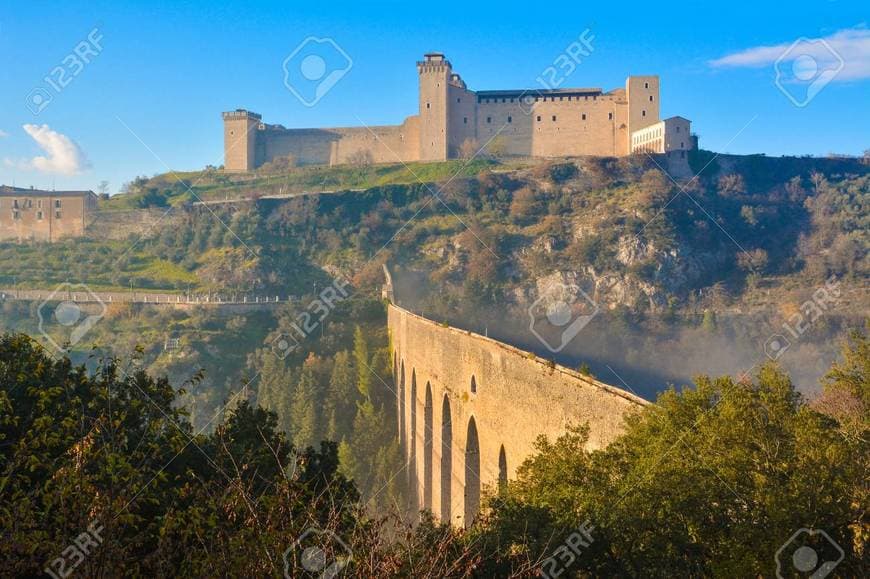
708	482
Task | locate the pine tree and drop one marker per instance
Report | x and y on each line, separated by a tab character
362	362
304	418
341	400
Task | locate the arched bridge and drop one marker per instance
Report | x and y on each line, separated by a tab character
470	409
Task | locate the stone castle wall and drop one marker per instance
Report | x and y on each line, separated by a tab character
335	146
470	409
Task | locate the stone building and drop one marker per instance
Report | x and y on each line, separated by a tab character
532	122
33	214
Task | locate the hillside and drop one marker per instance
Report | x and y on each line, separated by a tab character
682	279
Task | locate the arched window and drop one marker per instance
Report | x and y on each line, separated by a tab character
473	385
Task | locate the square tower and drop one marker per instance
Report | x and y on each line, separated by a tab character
435	73
240	140
642	94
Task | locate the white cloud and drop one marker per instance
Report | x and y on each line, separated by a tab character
3	133
62	154
852	45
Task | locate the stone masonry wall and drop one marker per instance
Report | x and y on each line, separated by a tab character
458	436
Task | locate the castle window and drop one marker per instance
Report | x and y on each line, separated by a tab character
458	99
57	214
583	116
488	120
57	203
643	113
678	129
646	85
512	100
510	119
16	215
39	215
502	100
539	118
232	133
650	98
15	204
609	116
554	118
427	105
464	120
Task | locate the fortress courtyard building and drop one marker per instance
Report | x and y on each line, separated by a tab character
532	123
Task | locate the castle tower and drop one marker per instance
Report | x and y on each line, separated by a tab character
240	140
642	93
435	73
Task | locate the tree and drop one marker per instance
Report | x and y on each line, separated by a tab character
277	165
305	418
755	260
524	203
362	363
341	400
732	185
497	147
469	148
709	481
360	158
846	388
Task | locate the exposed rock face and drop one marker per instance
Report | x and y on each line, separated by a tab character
642	275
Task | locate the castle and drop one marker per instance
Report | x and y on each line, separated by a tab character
453	120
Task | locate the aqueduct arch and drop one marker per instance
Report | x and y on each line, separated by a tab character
471	481
480	407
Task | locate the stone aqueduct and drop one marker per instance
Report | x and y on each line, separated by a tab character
470	409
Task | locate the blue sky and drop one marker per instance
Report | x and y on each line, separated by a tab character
152	96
